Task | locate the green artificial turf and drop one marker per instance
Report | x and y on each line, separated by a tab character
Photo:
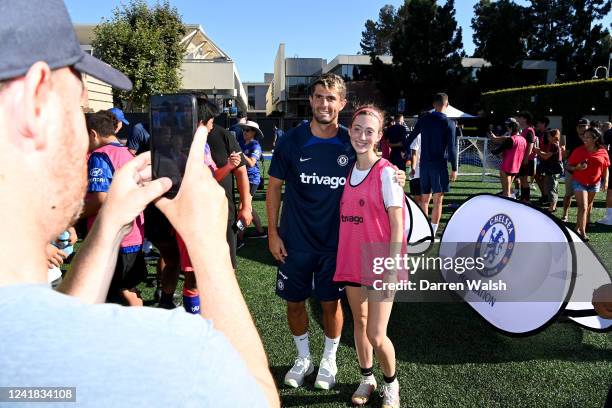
447	356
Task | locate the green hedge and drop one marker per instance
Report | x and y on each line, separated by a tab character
571	100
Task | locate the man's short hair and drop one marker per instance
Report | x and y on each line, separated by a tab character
207	110
102	122
527	116
330	81
440	99
544	120
398	116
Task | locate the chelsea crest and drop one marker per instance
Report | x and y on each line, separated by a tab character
495	244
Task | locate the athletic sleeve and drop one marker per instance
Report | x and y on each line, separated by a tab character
393	194
281	160
256	152
416	144
414	133
452	144
100	173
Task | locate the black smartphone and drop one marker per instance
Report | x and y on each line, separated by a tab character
173	124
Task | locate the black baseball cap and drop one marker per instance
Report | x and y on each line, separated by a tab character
41	30
583	122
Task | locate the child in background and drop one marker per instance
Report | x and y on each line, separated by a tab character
107	156
513	149
252	153
191	295
552	167
415	174
589	164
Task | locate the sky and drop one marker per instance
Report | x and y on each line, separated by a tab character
249	31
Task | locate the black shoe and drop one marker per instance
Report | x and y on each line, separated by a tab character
166	301
257	235
167	305
239	245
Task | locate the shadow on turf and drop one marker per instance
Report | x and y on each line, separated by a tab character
452	333
307	395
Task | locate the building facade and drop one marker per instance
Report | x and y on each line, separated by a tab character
206	69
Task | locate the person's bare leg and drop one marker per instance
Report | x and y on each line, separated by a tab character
379	311
589	208
581	200
170	259
525	189
297	317
424	203
257	222
358	301
332	318
506	182
436	212
567	199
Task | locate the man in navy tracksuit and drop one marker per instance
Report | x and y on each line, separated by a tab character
438	146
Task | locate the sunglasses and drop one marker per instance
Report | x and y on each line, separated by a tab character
250	130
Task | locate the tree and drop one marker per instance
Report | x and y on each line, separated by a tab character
143	43
427	52
501	34
376	38
567	31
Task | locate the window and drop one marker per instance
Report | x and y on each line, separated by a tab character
297	87
350	72
251	96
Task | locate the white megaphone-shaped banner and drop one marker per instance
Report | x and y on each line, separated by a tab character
529	266
590	275
419	234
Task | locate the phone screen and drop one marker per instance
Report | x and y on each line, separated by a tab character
173	124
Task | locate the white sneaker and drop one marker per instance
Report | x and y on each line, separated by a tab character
365	389
301	368
605	221
326	377
390	395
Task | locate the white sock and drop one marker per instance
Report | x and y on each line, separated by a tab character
301	343
434	227
609	212
331	346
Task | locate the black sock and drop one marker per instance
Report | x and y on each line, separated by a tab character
166	298
366	372
389	380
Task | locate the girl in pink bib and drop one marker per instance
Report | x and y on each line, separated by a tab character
372	219
512	148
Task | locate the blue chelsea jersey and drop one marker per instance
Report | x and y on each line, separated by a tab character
315	171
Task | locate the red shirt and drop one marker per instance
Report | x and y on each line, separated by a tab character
597	163
530	137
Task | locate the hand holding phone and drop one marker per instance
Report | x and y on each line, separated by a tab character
235	159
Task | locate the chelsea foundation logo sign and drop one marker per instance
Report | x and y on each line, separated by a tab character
495	244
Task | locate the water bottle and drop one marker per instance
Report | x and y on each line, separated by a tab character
63	243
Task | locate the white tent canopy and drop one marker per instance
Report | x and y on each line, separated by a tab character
455	113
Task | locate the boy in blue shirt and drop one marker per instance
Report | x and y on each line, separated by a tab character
252	153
